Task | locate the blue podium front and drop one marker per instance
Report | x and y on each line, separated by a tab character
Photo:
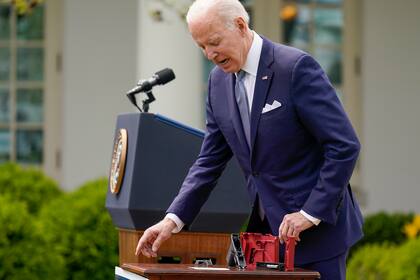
159	153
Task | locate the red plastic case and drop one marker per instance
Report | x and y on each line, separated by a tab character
289	254
259	247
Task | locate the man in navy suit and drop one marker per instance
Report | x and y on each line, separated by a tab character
273	107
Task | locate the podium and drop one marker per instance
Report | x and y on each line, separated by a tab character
151	157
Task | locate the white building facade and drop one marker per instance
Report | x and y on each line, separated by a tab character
93	51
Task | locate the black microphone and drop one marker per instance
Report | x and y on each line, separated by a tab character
159	78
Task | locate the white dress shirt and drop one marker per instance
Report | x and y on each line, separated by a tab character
251	69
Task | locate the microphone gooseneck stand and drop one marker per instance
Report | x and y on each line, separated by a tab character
146	102
150	98
159	78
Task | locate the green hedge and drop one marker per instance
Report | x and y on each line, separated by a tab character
406	262
382	228
386	262
370	262
28	185
80	229
48	234
24	252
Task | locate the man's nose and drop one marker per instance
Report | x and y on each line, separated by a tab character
210	53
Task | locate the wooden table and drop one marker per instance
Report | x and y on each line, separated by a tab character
186	272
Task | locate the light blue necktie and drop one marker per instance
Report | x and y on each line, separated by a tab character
243	105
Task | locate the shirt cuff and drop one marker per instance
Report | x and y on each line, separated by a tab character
314	220
179	224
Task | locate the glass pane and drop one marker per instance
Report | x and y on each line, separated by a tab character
331	62
4	145
4	22
247	2
336	2
30	64
31	26
29	105
29	146
4	105
328	26
4	64
296	25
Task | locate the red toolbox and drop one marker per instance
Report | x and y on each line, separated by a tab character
264	248
258	247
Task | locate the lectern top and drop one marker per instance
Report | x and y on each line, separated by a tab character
188	272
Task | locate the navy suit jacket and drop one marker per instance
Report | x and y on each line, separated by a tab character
302	153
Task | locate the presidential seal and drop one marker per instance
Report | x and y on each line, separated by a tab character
119	154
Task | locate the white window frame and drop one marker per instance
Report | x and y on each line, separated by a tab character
51	87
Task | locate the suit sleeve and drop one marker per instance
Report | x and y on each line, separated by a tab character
203	175
322	114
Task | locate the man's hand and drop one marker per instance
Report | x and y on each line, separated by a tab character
154	236
292	225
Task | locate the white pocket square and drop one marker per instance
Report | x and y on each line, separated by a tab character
267	108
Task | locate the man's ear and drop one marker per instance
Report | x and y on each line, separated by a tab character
241	24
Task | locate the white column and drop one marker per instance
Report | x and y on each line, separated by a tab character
391	129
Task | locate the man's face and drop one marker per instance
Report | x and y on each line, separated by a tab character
226	48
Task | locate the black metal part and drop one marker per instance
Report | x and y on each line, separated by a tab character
235	255
269	265
146	102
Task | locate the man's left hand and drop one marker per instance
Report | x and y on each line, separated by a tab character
292	225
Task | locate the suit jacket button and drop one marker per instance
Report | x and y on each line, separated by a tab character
255	174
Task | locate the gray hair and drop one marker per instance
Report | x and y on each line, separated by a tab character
227	10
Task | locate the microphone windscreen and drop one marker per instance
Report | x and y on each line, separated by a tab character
164	76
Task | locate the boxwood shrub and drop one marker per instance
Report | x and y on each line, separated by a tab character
382	228
28	185
386	262
79	228
24	252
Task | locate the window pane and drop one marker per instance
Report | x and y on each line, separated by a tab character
328	26
31	26
4	145
30	64
29	105
4	105
331	62
296	20
4	64
336	2
29	146
247	2
4	22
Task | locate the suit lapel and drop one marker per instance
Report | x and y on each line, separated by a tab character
262	85
234	111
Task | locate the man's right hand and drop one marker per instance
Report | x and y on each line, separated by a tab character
154	236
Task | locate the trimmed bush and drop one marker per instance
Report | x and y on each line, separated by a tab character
406	264
30	186
79	228
370	262
386	262
383	228
24	253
